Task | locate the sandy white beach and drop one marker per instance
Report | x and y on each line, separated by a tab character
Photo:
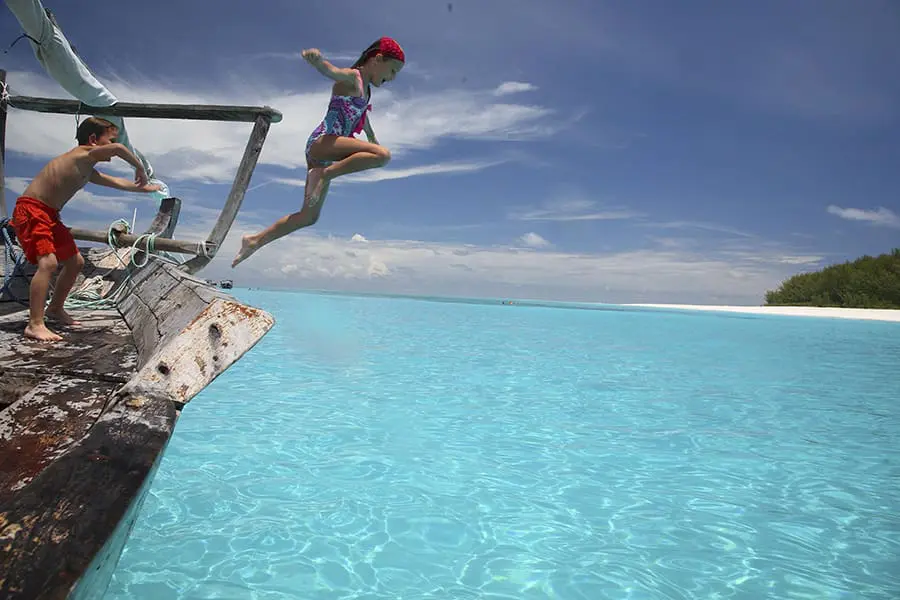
869	314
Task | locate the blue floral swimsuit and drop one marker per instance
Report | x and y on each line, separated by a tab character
346	116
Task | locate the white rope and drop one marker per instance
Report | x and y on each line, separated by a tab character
4	94
89	295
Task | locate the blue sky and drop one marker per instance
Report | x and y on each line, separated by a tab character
599	151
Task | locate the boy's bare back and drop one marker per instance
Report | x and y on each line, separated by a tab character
62	177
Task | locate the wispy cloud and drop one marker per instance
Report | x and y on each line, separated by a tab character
570	209
432	169
880	216
389	173
712	227
513	87
336	57
209	152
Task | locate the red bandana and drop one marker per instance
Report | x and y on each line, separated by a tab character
389	48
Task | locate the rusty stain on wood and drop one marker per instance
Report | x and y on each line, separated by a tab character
56	413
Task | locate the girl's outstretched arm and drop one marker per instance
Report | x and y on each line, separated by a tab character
314	57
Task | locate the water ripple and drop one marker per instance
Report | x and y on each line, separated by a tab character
406	449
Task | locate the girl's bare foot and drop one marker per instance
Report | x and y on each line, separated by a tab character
60	315
247	248
315	185
41	333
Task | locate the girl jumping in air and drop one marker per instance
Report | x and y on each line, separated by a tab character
331	150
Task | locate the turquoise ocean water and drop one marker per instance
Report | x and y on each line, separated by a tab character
384	448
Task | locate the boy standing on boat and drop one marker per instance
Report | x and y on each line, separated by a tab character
46	241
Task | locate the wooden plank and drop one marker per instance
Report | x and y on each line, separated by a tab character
211	343
96	578
52	529
164	312
13	386
201	112
4	212
163	225
139	313
148	285
43	423
108	265
101	348
235	197
165	301
18	284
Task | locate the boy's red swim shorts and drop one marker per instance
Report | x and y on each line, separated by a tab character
40	231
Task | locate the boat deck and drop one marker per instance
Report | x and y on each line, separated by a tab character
38	381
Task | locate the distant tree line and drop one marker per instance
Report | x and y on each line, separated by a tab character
867	282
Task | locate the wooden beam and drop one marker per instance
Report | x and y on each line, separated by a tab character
3	211
122	239
163	225
236	196
201	112
166	218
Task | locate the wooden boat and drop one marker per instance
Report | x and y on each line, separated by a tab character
84	423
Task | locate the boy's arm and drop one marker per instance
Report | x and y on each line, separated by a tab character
314	57
118	183
106	152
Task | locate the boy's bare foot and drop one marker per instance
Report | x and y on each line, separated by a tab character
61	316
315	185
247	248
41	333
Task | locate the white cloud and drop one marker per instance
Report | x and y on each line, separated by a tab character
389	173
534	240
298	56
513	87
879	216
570	209
209	152
430	169
307	259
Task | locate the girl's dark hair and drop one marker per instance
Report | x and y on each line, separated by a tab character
367	53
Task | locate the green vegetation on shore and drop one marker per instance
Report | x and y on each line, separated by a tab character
867	282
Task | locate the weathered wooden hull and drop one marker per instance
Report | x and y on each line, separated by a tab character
85	423
92	585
